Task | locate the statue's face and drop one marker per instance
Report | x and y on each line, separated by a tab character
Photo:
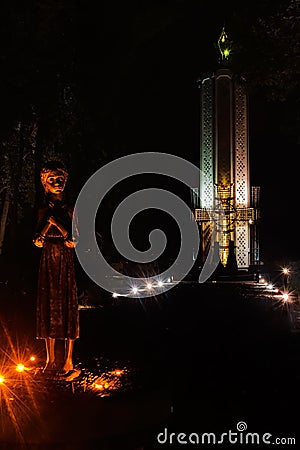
55	183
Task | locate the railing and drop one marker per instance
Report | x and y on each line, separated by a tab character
207	214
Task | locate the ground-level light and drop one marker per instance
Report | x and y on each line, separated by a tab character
20	368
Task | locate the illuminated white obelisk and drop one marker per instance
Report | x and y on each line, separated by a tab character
224	161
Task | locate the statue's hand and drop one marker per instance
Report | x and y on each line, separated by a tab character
38	241
70	242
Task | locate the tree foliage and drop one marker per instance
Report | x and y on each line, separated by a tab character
267	51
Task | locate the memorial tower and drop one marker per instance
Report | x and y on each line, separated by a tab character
225	204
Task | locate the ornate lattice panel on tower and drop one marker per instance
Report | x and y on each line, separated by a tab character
241	174
207	145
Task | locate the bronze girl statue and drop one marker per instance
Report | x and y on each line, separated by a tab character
57	304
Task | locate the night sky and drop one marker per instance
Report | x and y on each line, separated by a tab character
134	67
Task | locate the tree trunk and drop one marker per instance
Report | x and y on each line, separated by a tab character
16	167
4	216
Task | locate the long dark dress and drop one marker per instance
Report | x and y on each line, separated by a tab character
57	302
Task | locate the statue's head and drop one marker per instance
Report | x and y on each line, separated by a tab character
54	177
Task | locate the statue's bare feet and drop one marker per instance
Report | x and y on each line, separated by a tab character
67	367
71	374
50	367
